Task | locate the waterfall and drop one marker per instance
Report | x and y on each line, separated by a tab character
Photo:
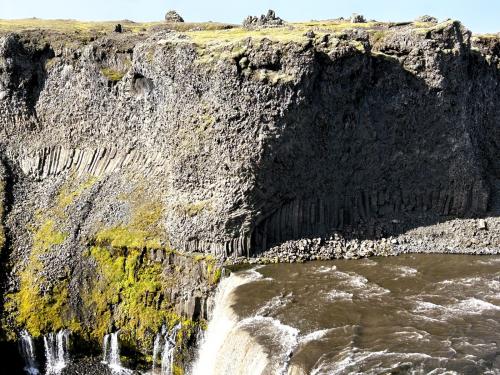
223	321
105	345
114	354
166	340
28	353
111	353
56	351
157	346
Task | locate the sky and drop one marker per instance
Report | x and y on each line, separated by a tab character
480	16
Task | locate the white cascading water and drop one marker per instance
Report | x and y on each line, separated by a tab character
28	353
167	359
157	347
221	325
56	351
111	353
105	344
165	343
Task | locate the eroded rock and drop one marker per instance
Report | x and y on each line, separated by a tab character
173	16
267	20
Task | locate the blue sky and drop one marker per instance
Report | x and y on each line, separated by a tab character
478	15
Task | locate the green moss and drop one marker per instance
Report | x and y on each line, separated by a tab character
216	276
112	74
132	294
142	232
214	271
39	306
128	291
39	311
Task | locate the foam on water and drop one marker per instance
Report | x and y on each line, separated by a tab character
469	306
274	304
405	271
314	336
335	294
350	360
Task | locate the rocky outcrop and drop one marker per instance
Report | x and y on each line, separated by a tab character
358	18
267	20
173	16
427	18
139	160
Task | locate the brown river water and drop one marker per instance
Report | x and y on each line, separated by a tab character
412	314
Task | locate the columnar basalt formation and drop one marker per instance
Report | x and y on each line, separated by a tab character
129	149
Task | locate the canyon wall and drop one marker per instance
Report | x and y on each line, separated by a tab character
129	153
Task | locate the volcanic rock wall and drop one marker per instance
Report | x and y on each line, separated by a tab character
142	146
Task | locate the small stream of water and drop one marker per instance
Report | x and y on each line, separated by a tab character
28	353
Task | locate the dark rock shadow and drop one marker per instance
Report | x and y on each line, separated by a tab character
373	150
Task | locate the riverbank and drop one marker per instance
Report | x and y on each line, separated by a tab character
456	236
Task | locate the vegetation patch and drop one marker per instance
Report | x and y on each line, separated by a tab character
142	232
40	311
112	75
40	306
132	294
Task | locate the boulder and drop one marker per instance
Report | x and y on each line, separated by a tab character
427	18
310	34
173	16
118	28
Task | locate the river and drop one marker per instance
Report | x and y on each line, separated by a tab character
412	314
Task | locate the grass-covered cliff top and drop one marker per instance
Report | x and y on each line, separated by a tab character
207	32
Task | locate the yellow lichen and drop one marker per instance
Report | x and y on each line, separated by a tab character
143	231
112	75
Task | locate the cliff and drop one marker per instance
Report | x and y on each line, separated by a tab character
124	154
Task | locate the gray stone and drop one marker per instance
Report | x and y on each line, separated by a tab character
268	20
482	224
310	34
173	16
427	18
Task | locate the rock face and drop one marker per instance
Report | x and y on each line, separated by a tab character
268	20
173	16
124	155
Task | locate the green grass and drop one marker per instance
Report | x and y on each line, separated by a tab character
88	27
